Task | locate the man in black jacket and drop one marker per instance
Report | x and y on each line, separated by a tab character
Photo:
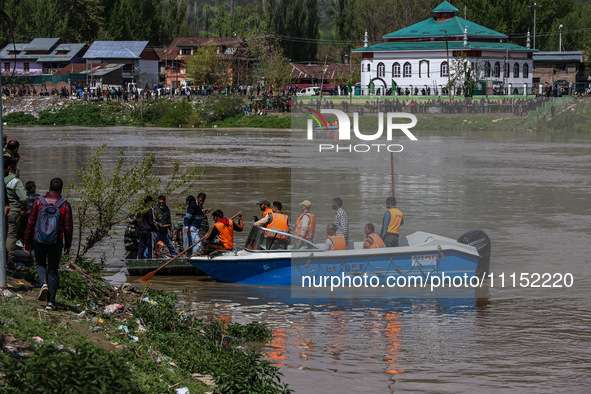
146	225
164	223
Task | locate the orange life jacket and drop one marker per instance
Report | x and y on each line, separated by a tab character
225	234
377	241
338	242
279	223
309	235
395	220
265	213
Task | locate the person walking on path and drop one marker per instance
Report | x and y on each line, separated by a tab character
341	220
391	224
164	223
19	205
48	255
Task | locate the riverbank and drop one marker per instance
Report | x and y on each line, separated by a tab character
228	112
129	338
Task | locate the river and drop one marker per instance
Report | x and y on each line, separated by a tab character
528	192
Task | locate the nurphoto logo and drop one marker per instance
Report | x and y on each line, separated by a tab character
343	125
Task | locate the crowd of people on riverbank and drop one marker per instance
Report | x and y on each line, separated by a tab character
152	227
43	224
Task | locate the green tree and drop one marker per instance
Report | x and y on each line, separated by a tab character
275	68
107	199
207	66
296	24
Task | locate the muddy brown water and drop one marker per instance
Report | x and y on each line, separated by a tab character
530	193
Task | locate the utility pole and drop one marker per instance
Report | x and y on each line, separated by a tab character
448	66
535	6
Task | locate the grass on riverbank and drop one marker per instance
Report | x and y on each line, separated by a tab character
145	345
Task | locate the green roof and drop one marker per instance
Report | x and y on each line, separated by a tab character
440	45
450	27
445	7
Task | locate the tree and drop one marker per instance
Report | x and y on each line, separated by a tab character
296	24
275	68
108	199
207	66
463	75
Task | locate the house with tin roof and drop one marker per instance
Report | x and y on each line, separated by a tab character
129	62
446	50
42	56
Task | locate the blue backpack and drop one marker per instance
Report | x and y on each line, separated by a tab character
47	228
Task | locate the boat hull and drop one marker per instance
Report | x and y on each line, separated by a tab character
437	257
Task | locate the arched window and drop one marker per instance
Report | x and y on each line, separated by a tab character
407	70
444	69
497	70
525	70
368	67
506	70
381	70
487	70
396	70
516	70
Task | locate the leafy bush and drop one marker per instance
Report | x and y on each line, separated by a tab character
50	370
177	114
208	348
160	314
73	287
251	332
19	118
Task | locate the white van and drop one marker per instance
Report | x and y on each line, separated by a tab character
311	91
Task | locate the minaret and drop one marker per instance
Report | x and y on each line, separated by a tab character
466	36
528	45
365	41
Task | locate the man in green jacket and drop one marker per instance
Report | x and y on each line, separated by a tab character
18	203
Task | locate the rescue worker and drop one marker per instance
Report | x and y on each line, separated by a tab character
267	216
372	240
306	222
333	241
223	229
391	225
280	222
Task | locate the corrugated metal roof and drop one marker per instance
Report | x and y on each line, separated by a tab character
571	56
105	70
115	50
440	45
42	44
449	27
54	57
19	47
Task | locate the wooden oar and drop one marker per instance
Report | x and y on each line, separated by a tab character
149	275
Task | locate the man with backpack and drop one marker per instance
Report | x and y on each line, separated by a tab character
49	229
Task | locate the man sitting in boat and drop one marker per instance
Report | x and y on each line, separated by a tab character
333	241
372	240
223	229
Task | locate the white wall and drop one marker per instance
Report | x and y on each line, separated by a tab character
433	78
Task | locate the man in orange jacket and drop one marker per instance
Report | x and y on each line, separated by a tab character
223	229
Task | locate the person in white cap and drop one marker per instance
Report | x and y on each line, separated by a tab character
306	222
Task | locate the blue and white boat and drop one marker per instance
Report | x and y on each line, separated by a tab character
266	260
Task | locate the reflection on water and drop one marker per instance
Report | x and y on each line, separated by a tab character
529	193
